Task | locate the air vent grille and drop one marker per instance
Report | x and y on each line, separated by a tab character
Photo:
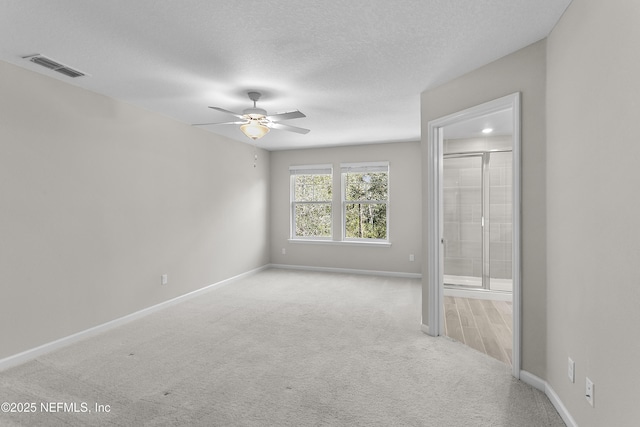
70	72
54	65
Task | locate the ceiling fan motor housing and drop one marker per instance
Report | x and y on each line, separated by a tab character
254	113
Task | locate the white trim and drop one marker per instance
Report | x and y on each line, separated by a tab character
553	397
364	167
434	261
399	274
378	243
310	239
516	249
557	403
365	241
326	169
25	356
434	214
534	381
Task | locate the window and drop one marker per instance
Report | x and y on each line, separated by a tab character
311	194
365	199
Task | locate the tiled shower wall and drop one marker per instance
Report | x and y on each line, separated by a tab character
500	215
462	192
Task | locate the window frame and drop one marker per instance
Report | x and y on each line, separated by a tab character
321	169
373	167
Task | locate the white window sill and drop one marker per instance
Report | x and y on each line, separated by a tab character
341	242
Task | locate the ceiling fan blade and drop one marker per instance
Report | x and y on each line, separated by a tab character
286	116
280	126
220	123
240	116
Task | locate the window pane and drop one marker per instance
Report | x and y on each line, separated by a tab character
313	220
322	187
312	188
367	186
300	182
366	220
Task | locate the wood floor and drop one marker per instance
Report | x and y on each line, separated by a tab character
481	324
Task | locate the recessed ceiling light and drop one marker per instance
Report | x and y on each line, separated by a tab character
487	130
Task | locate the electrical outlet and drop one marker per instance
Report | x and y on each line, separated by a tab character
572	371
284	251
412	257
589	390
164	279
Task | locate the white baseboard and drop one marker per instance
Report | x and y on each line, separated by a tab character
544	387
532	380
31	354
349	271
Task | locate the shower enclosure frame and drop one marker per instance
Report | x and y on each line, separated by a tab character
485	222
434	225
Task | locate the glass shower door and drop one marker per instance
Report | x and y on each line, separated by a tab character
500	232
463	220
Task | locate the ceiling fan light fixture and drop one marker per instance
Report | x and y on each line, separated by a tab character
256	123
254	129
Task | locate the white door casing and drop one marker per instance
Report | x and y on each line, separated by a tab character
435	253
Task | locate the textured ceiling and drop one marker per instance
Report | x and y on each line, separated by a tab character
356	68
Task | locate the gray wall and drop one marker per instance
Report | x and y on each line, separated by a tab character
405	198
522	71
593	153
99	198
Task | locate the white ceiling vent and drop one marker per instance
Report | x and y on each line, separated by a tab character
54	65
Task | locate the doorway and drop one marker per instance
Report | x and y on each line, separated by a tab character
473	227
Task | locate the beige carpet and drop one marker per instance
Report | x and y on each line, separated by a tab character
280	348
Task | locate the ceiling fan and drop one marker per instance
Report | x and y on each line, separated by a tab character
255	121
